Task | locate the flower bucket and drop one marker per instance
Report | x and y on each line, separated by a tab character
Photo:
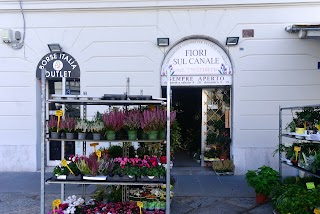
162	134
153	135
96	136
82	136
111	135
69	136
132	134
55	135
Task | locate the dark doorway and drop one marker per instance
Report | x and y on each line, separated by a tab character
187	102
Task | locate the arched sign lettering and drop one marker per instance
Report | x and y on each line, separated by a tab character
58	65
197	62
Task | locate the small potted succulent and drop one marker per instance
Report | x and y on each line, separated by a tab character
113	122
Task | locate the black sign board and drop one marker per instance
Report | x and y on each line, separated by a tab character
58	65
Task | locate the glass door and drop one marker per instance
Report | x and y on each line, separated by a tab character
216	122
57	150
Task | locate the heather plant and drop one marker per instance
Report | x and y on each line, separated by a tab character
96	126
53	124
113	120
82	125
69	124
149	121
132	120
156	119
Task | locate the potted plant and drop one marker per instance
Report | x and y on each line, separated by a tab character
94	168
150	124
263	181
82	128
53	127
223	167
96	128
132	123
69	126
113	122
69	172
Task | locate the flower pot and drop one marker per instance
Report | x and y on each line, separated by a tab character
69	136
261	199
82	136
150	177
96	136
144	136
55	135
294	162
111	135
162	134
153	135
132	134
223	157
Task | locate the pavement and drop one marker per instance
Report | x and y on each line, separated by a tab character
197	190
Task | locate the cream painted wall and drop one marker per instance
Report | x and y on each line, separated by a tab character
273	68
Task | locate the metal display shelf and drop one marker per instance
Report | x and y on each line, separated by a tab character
84	101
136	183
114	141
281	135
108	102
302	169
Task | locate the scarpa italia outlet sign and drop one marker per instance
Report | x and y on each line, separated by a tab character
58	65
197	62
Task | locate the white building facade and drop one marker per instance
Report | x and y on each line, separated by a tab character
113	40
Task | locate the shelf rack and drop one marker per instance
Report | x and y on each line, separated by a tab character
95	101
281	135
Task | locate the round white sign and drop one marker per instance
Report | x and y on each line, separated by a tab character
57	65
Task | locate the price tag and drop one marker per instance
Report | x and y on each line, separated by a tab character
56	203
64	163
140	205
98	153
316	211
310	185
59	114
94	146
297	149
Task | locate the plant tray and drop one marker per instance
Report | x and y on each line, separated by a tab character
140	97
74	177
155	179
95	178
124	178
224	173
114	97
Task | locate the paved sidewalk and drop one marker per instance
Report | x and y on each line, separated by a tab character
197	190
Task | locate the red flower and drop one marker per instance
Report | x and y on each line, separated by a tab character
163	159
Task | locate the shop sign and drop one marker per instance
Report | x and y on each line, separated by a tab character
198	80
58	65
198	62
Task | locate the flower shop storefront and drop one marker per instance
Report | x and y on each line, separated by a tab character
201	79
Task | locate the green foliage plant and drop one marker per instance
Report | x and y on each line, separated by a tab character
263	180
